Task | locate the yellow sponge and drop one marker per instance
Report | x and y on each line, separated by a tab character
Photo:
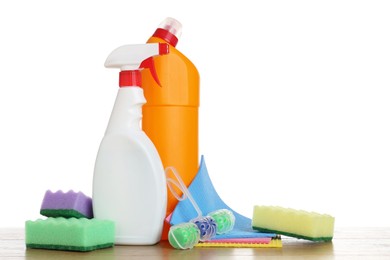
295	223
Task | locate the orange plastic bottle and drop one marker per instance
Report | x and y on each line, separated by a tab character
170	115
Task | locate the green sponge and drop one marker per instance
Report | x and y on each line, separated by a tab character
294	223
70	234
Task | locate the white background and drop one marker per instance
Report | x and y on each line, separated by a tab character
295	99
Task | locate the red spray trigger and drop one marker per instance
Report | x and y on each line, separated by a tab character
149	62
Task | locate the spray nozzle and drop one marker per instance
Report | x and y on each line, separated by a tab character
131	58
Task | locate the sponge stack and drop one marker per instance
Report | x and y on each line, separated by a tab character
69	225
295	223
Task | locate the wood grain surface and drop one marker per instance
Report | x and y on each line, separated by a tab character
348	243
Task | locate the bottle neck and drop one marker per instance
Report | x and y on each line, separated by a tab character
166	36
127	112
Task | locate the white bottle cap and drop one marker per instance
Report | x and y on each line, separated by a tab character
171	25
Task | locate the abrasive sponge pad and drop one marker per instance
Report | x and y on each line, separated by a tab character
70	234
295	223
68	204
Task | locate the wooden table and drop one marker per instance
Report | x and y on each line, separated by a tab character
348	243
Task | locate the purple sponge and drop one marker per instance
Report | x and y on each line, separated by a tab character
67	205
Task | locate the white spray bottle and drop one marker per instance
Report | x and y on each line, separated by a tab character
129	185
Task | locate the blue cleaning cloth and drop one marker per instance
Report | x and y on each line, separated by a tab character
208	200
